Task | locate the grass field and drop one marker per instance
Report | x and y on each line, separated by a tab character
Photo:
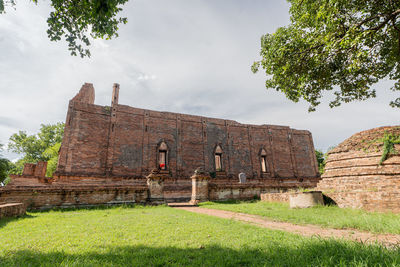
162	236
326	216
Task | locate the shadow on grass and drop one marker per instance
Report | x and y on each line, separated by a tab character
327	201
6	220
230	201
319	253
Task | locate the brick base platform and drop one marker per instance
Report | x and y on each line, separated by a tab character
370	192
12	210
35	193
88	195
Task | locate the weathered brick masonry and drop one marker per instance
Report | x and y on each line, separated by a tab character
353	177
12	209
40	192
122	141
119	146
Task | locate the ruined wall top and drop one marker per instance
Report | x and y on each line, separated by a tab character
86	94
35	169
366	141
115	94
361	155
123	141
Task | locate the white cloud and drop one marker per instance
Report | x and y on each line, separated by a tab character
181	56
146	77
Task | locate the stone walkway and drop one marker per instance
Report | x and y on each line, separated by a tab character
388	240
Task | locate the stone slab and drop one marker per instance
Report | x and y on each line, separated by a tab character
12	210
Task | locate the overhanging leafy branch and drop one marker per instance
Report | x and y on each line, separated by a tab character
79	20
331	45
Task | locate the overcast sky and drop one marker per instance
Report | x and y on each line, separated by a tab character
186	56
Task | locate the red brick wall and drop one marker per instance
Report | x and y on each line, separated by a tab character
54	196
86	94
271	190
128	144
304	155
122	141
35	169
85	142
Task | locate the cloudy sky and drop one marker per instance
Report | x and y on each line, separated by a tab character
178	55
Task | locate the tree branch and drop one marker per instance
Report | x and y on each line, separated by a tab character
383	23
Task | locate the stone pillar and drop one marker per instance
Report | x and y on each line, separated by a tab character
115	94
199	186
111	136
155	182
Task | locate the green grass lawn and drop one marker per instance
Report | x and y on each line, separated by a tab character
326	216
162	236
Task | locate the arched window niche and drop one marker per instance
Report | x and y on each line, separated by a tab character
162	156
218	158
263	161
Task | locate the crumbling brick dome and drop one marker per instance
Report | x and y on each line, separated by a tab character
366	141
357	174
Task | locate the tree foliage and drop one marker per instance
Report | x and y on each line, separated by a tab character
52	154
341	45
78	20
320	160
389	140
42	146
5	167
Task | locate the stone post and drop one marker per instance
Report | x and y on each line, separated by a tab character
306	199
155	182
199	186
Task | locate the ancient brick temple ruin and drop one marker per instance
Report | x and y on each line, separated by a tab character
121	154
355	177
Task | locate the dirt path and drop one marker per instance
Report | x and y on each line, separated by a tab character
389	240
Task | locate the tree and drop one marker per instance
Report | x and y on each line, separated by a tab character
43	146
321	160
77	20
52	154
5	167
341	45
